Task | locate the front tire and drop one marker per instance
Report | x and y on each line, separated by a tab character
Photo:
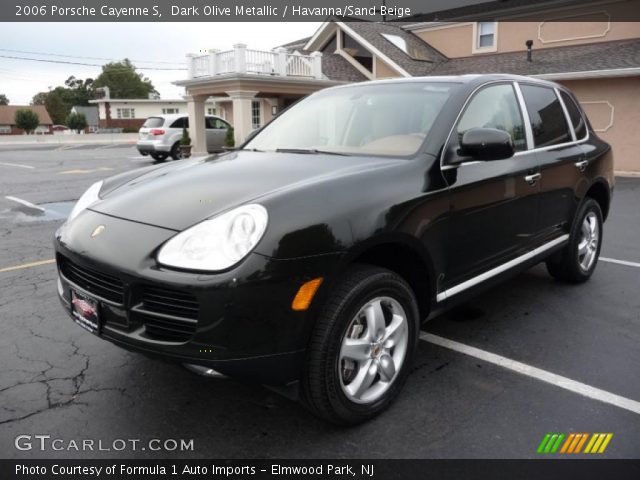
577	261
362	346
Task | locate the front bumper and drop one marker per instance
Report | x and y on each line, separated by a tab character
238	322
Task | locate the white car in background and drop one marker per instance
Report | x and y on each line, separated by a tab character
160	135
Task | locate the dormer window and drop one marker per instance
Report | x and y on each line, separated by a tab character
485	34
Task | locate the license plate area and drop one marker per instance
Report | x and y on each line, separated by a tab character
85	311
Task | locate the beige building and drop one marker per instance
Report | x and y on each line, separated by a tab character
579	46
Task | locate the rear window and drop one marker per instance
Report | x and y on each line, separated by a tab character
153	122
576	117
548	121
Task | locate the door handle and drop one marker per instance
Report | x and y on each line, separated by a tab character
533	178
582	165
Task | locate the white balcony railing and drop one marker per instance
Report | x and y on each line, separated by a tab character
243	60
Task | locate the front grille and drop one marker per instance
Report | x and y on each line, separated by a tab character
168	314
170	329
98	283
170	302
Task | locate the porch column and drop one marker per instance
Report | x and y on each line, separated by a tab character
197	131
241	113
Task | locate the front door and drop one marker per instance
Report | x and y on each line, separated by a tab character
494	204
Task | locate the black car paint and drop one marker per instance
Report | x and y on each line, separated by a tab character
325	212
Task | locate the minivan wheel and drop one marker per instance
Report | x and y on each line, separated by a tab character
577	261
362	346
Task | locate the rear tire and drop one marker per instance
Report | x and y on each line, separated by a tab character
176	154
159	157
576	262
362	346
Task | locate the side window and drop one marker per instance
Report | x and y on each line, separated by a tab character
575	115
548	122
210	122
495	107
180	123
221	124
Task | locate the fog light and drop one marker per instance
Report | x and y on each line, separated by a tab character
305	294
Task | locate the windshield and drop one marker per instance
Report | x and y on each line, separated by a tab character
383	119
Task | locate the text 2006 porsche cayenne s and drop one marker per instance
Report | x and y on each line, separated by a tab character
313	253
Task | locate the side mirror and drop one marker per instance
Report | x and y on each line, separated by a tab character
486	144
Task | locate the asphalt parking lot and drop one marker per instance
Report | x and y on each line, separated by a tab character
58	380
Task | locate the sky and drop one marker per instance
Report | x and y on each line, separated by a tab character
156	45
143	43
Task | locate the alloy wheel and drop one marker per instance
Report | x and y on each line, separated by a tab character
373	350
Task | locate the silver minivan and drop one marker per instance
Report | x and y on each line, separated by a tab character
160	135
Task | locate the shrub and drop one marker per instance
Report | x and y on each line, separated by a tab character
185	140
27	120
229	139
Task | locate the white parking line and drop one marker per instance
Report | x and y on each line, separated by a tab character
16	165
620	262
537	373
26	203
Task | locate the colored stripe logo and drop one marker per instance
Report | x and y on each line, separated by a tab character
574	443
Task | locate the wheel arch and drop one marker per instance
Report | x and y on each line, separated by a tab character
600	192
402	254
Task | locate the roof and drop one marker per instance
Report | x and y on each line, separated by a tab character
577	58
372	32
487	10
8	113
90	113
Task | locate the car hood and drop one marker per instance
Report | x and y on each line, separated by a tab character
181	194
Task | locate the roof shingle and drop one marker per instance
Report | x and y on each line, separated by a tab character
8	113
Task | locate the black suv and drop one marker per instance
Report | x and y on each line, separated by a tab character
311	255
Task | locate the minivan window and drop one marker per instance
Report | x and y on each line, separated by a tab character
548	121
182	122
497	107
383	119
579	125
153	122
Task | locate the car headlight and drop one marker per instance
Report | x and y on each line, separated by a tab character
217	243
87	199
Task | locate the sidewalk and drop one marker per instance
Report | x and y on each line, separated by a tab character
103	138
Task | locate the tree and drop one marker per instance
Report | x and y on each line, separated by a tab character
57	108
77	121
27	120
123	81
3	99
39	98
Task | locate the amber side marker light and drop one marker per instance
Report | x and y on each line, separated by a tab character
305	294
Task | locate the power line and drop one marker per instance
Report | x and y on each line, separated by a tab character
84	58
82	63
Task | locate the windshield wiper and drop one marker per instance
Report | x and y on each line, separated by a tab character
250	150
313	151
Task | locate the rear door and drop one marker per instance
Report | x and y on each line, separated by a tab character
559	151
494	204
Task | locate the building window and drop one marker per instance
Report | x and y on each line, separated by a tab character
5	128
485	35
255	114
125	113
402	44
363	56
211	110
170	111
